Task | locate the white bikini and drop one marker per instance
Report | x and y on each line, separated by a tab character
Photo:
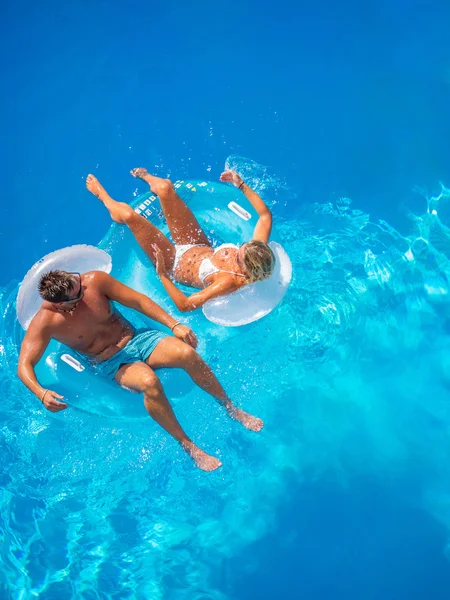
206	266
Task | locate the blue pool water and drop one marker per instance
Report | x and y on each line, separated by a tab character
338	114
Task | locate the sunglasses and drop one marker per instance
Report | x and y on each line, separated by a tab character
78	297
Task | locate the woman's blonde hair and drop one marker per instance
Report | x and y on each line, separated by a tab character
259	261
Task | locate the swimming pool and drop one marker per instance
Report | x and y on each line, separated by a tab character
344	494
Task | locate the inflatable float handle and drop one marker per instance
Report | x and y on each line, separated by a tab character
72	362
239	211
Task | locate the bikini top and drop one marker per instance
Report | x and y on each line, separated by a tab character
207	268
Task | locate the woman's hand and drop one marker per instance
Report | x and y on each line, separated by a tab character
232	177
159	260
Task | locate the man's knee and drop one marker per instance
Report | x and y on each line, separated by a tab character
188	356
162	187
151	385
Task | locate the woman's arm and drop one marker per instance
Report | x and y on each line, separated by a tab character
184	303
263	226
197	300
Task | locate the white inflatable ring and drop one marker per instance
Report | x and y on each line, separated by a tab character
59	369
253	301
80	258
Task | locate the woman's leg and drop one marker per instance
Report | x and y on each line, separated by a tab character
145	232
182	223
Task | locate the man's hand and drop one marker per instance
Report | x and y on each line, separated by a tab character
51	403
186	335
159	260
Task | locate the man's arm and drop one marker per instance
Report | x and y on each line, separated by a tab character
118	292
33	347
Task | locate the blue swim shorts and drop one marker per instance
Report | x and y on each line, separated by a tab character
137	350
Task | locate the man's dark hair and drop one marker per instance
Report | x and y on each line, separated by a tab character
55	285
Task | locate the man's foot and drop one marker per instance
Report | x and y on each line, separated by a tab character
202	460
247	420
119	211
231	177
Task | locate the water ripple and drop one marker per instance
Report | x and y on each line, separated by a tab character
350	374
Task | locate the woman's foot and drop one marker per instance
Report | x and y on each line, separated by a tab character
159	186
202	460
140	173
119	211
247	420
231	177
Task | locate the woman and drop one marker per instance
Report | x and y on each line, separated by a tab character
192	260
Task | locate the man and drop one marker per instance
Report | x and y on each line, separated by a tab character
77	311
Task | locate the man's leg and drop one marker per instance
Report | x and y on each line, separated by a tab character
171	352
183	225
140	377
